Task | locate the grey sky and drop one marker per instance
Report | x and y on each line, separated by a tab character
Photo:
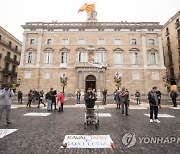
14	13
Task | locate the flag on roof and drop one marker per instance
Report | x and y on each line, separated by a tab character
87	8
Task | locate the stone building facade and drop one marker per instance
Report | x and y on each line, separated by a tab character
10	51
171	45
90	54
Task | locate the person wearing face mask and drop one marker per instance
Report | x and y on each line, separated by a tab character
5	102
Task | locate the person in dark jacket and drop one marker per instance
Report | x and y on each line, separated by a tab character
138	95
30	98
40	99
20	96
78	95
54	99
173	96
124	97
159	97
117	98
49	98
104	93
90	98
153	102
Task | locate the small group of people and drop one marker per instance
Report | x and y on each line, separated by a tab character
33	96
121	98
51	99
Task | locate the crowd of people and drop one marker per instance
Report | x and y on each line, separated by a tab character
121	98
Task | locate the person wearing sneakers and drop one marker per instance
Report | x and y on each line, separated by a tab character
153	102
5	102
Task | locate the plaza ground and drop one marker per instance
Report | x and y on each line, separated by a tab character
44	135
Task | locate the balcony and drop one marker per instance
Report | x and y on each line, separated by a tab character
6	72
2	42
90	65
16	62
8	59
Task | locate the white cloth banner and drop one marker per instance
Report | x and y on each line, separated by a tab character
162	115
4	132
37	114
88	141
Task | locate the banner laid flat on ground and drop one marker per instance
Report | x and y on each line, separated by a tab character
104	115
4	132
37	114
88	141
138	108
162	115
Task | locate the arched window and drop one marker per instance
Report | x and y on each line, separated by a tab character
48	55
64	57
30	57
134	52
118	57
153	56
81	55
100	55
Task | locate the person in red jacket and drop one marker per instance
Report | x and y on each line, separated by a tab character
60	100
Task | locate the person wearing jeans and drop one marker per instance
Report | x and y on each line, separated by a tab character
49	97
124	100
5	102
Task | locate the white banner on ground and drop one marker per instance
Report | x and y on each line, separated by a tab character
176	108
37	114
88	141
14	107
162	115
138	108
4	132
104	115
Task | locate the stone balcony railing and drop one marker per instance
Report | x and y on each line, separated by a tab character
90	64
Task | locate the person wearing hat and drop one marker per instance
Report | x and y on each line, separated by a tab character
5	102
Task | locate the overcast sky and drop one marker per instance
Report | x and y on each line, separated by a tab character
14	13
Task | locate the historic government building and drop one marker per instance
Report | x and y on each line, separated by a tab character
90	54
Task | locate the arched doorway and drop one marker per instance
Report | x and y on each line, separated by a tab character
90	82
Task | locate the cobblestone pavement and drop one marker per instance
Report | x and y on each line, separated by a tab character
44	135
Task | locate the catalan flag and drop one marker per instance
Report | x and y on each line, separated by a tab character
82	8
90	8
87	8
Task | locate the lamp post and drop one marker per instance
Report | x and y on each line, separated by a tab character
63	80
117	80
166	80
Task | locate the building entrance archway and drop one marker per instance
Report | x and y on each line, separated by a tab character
90	82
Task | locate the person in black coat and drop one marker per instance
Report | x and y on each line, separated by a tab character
173	96
153	102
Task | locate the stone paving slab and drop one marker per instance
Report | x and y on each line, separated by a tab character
44	135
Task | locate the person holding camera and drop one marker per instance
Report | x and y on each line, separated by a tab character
5	102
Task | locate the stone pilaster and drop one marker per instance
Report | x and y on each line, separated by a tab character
39	49
23	50
144	50
160	50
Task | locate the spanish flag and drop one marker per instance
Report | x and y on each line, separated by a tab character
88	8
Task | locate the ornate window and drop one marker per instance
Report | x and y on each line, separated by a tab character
134	56
30	57
118	57
151	42
64	57
153	54
82	55
100	55
48	55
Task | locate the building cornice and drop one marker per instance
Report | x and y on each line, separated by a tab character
81	26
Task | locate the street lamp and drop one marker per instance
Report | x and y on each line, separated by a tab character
117	80
63	80
166	80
